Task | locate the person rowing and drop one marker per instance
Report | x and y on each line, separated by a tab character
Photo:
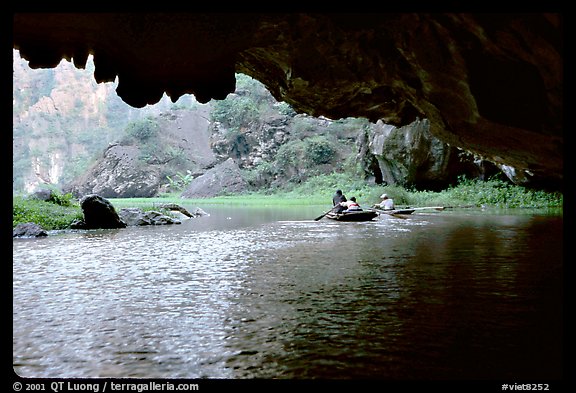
337	207
386	204
337	200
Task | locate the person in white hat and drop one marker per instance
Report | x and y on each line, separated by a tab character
386	204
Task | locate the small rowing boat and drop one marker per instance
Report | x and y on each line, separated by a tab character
370	213
394	212
360	215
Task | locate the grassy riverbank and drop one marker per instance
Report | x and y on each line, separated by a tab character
316	191
49	215
319	190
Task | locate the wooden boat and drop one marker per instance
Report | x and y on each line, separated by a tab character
370	213
394	212
360	215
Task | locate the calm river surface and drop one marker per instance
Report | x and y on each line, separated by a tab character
270	293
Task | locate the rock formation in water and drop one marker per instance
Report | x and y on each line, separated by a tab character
98	213
134	216
489	83
28	229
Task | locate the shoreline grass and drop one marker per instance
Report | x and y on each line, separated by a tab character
48	215
315	192
229	200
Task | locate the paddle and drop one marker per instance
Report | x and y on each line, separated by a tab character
374	210
391	212
439	208
323	214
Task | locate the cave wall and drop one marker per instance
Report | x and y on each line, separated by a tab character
412	157
491	84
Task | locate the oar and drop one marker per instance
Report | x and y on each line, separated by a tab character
323	214
393	212
379	211
439	208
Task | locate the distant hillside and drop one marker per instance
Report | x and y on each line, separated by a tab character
77	135
63	120
69	130
152	151
267	143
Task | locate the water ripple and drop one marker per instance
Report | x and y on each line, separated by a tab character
390	298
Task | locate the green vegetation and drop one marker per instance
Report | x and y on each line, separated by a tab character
63	143
301	155
66	200
490	193
318	190
468	192
142	130
246	107
309	146
314	158
49	215
179	181
61	211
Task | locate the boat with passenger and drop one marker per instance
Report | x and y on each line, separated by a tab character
356	215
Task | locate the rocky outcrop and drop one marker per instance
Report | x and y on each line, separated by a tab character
411	156
224	178
134	216
131	169
491	84
43	194
98	213
251	146
61	119
119	174
28	229
175	208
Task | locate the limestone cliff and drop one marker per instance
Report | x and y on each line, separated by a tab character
61	120
411	156
132	168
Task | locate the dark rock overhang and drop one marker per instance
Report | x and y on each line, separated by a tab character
489	83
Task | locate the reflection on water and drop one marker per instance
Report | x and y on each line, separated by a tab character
270	293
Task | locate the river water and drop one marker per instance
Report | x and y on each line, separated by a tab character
270	293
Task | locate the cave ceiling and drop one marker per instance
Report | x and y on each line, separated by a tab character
490	84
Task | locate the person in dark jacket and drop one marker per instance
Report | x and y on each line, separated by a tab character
338	198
